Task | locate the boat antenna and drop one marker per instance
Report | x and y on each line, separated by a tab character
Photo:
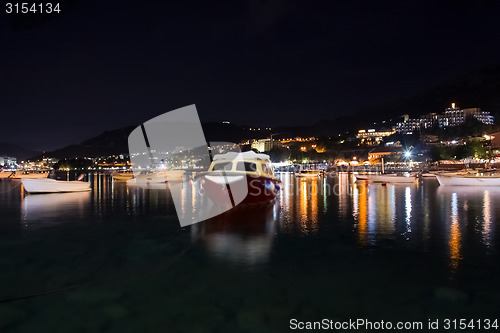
146	140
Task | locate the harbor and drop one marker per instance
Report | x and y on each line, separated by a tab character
118	252
254	166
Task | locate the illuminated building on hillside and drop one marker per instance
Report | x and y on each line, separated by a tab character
453	116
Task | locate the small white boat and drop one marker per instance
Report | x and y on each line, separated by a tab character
428	175
48	185
474	192
156	177
149	186
387	178
468	180
308	173
123	175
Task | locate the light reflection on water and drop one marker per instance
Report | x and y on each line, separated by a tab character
454	234
418	215
50	207
243	237
322	232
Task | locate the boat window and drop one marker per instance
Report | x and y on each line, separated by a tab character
222	166
267	169
246	166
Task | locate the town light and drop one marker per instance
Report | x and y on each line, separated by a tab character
407	154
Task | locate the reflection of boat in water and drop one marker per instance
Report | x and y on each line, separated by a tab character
387	178
48	185
468	180
159	176
240	236
240	178
46	206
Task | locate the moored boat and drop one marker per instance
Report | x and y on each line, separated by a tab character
428	175
156	177
468	180
240	178
48	185
123	175
387	178
309	173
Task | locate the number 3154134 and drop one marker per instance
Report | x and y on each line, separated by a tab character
26	8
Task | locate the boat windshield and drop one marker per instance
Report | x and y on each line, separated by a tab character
222	166
246	166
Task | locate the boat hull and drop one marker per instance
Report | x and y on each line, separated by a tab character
259	188
467	181
54	186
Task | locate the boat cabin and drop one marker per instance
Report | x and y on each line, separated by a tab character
252	164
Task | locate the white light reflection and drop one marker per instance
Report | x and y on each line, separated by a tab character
408	209
486	218
454	242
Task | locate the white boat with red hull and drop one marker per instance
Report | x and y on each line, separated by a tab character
232	174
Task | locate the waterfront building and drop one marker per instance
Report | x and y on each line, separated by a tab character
429	120
494	139
8	162
297	139
452	116
372	136
455	116
411	125
263	145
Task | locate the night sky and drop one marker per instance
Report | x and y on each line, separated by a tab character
102	66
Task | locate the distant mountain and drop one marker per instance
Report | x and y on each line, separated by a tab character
113	142
478	88
116	142
11	150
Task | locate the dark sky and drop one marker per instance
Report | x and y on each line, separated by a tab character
107	64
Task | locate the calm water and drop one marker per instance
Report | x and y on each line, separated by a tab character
327	248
